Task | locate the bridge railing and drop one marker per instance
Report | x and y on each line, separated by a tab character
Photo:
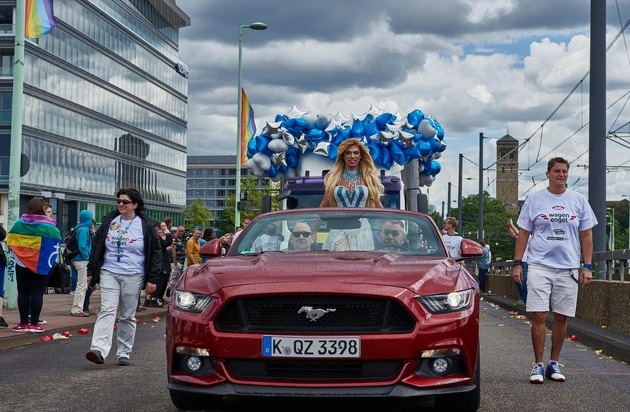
616	262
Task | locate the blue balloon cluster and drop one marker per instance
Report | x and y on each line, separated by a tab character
276	152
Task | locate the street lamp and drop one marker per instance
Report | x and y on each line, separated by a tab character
237	196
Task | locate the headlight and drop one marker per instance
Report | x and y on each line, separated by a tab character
447	302
191	302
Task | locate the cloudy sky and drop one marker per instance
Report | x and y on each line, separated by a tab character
477	66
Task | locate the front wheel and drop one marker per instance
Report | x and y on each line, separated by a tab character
193	401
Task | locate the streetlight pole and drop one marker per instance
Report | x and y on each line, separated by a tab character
628	196
237	195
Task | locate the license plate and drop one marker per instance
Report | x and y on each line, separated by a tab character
311	346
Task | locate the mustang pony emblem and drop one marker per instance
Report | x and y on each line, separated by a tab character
314	314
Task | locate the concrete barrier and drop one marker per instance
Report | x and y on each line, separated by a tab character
603	302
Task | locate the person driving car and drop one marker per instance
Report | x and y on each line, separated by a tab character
301	237
392	235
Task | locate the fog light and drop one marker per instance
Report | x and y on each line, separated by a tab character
440	366
193	363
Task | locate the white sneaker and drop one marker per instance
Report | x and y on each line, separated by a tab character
553	372
538	373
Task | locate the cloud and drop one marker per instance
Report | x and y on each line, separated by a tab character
476	65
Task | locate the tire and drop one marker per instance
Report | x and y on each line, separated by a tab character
464	402
192	401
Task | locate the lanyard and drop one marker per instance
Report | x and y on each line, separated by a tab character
119	238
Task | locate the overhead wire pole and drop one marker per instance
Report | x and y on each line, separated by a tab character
480	221
448	206
459	195
15	154
597	130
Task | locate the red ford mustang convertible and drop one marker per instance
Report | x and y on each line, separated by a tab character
324	303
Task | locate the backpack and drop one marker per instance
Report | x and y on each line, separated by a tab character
72	246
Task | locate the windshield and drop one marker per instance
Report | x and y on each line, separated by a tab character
367	230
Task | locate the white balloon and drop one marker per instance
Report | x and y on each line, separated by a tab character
375	111
425	129
271	128
288	138
322	148
255	168
262	160
278	145
340	118
294	113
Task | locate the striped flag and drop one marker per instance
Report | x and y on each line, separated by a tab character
40	18
35	240
248	125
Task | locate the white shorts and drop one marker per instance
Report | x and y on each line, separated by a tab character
547	285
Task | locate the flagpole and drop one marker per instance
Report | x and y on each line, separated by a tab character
15	158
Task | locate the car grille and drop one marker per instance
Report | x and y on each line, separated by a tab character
280	314
315	370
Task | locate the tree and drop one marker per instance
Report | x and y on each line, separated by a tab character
254	194
197	215
494	220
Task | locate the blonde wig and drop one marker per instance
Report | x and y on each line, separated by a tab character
367	168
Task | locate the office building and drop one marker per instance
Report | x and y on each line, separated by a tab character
105	107
211	179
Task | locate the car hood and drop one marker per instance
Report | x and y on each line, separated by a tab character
421	274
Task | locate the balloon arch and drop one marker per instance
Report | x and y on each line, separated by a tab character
276	152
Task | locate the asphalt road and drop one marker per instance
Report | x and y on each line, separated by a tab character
56	376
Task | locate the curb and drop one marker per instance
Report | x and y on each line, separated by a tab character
29	338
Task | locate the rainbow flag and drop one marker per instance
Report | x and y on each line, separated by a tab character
248	125
35	240
40	18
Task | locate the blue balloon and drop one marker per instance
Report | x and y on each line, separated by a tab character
341	135
415	117
261	143
333	150
301	125
386	158
375	152
369	129
425	148
292	156
280	118
251	147
357	129
273	171
432	168
382	121
396	150
315	135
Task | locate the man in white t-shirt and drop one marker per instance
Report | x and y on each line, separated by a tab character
555	224
451	238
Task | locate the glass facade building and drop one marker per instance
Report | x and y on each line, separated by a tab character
105	107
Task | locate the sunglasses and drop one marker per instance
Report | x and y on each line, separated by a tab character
388	232
302	234
123	201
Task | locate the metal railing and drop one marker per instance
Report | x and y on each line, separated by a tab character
617	263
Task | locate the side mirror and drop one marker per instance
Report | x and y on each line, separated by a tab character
211	249
469	249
